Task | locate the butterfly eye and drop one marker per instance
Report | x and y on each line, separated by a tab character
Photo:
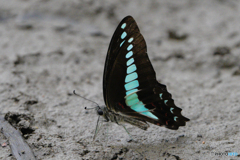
100	112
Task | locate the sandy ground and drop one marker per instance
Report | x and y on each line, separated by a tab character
48	48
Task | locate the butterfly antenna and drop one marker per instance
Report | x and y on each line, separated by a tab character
85	99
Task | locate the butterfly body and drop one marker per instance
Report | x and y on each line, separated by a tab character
110	116
131	92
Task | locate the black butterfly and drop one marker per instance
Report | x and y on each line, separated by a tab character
131	92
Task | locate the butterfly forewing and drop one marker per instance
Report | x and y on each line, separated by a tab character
130	85
127	25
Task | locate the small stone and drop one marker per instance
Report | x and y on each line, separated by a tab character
199	135
182	135
236	72
115	156
173	34
221	51
24	26
4	144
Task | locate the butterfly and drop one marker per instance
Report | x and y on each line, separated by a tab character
130	89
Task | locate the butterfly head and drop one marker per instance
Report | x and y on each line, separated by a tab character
99	110
102	111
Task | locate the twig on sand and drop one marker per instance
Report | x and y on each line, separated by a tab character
20	149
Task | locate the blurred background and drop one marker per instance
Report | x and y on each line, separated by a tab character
48	48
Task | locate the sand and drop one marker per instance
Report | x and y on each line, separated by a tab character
48	48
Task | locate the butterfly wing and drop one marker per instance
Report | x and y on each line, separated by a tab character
114	48
129	83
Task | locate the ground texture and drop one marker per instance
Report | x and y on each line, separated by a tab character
48	48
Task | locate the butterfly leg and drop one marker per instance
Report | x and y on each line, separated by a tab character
107	132
97	128
127	133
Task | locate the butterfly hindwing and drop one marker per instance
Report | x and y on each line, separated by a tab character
160	103
130	85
